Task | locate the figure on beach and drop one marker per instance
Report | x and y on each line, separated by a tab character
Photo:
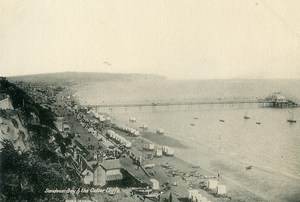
170	197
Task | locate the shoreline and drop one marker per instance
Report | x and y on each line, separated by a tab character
163	140
236	191
239	187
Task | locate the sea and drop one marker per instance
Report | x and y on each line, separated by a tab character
216	136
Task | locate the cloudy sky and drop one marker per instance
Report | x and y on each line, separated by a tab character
182	39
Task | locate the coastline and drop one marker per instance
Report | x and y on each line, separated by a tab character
236	191
163	140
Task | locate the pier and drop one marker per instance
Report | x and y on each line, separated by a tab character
266	102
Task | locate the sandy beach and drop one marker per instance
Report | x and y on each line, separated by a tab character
236	192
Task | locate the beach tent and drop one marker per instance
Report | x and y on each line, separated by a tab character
221	189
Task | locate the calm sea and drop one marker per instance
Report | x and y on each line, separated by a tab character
271	147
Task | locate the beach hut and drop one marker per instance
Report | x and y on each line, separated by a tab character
168	151
144	127
149	147
154	184
158	153
212	184
136	133
160	131
128	144
221	189
140	159
191	193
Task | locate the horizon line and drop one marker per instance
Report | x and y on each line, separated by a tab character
159	75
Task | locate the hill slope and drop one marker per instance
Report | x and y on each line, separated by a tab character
83	77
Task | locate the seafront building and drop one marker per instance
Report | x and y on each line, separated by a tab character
99	173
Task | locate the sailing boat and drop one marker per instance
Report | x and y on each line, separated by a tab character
246	116
291	118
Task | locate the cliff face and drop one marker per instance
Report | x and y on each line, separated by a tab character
12	129
6	104
31	150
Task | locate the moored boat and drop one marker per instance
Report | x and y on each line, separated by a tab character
246	116
291	118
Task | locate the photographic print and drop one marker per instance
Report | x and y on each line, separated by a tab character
171	101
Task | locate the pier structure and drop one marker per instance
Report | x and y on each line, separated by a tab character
278	100
269	101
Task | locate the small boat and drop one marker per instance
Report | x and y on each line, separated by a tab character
246	116
221	120
192	124
149	166
258	123
291	118
195	118
248	167
167	166
143	191
152	196
195	166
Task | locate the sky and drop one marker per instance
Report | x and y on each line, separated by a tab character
180	39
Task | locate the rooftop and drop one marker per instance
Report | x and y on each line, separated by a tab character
111	164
